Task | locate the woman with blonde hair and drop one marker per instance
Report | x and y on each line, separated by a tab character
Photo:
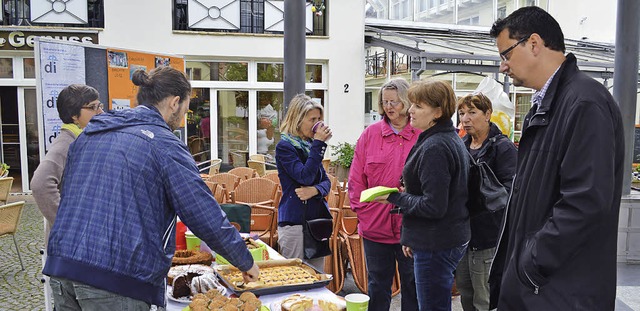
303	180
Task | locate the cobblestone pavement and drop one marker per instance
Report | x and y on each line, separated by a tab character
22	290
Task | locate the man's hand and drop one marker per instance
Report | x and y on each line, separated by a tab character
306	193
251	275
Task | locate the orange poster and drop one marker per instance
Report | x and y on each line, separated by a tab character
121	66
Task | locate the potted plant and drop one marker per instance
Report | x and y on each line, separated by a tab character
4	170
344	151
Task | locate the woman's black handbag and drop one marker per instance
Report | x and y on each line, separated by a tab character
316	237
486	193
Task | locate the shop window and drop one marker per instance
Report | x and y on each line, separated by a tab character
29	67
6	68
84	13
270	72
216	71
270	106
244	16
233	127
313	73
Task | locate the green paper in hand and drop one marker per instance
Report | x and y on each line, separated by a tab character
372	193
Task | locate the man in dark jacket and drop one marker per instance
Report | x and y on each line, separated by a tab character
557	250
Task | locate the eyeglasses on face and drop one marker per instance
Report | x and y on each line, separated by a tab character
391	103
504	53
94	107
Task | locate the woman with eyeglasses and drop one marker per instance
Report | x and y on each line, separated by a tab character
485	143
76	105
305	184
378	160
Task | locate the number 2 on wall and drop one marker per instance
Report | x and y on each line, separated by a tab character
346	87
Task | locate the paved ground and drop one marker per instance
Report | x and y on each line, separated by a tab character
22	290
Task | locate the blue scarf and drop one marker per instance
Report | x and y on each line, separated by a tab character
297	142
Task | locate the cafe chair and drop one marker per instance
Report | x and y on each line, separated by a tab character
273	176
244	172
325	164
239	216
263	197
352	245
5	188
333	263
228	182
258	157
215	166
9	220
258	166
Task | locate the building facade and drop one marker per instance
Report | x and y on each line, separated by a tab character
233	51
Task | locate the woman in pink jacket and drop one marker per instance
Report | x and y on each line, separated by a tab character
378	161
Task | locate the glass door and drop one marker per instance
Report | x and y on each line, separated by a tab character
233	128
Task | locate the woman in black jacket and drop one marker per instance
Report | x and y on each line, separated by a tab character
435	221
485	143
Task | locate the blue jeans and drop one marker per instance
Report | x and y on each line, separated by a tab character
70	295
381	266
434	276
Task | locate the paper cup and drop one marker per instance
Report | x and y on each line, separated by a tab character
357	302
193	242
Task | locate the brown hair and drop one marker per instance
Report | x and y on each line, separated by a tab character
399	85
435	94
159	84
475	100
71	100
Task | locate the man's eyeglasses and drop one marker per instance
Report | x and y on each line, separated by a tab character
504	53
390	103
94	107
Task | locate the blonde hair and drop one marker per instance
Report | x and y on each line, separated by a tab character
299	106
401	86
436	94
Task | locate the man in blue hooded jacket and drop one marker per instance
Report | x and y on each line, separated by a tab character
126	178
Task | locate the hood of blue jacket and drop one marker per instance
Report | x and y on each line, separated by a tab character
114	120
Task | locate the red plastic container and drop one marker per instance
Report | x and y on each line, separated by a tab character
181	241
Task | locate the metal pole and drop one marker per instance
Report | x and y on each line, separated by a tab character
625	77
294	49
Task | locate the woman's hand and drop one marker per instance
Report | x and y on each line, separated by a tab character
323	133
407	251
306	193
382	199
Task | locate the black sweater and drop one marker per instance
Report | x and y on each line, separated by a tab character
435	216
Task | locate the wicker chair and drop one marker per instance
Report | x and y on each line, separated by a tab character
5	188
9	220
353	246
258	166
243	172
258	157
333	263
228	182
263	196
215	166
273	176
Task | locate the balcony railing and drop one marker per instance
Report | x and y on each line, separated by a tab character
56	13
241	16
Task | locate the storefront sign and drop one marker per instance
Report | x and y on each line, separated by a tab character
25	40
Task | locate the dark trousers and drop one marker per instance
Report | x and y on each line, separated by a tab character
381	266
434	276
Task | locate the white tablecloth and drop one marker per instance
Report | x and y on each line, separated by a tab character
268	300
